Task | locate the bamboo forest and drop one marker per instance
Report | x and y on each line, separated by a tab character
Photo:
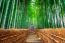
40	13
32	21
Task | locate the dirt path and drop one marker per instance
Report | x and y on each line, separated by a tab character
33	38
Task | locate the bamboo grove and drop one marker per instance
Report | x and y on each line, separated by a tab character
40	13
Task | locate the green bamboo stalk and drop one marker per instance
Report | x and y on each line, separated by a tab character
5	15
11	16
2	9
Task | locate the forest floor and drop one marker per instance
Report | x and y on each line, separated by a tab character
38	36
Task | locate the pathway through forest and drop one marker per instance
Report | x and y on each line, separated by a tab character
33	38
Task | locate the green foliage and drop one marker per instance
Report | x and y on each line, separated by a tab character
40	13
